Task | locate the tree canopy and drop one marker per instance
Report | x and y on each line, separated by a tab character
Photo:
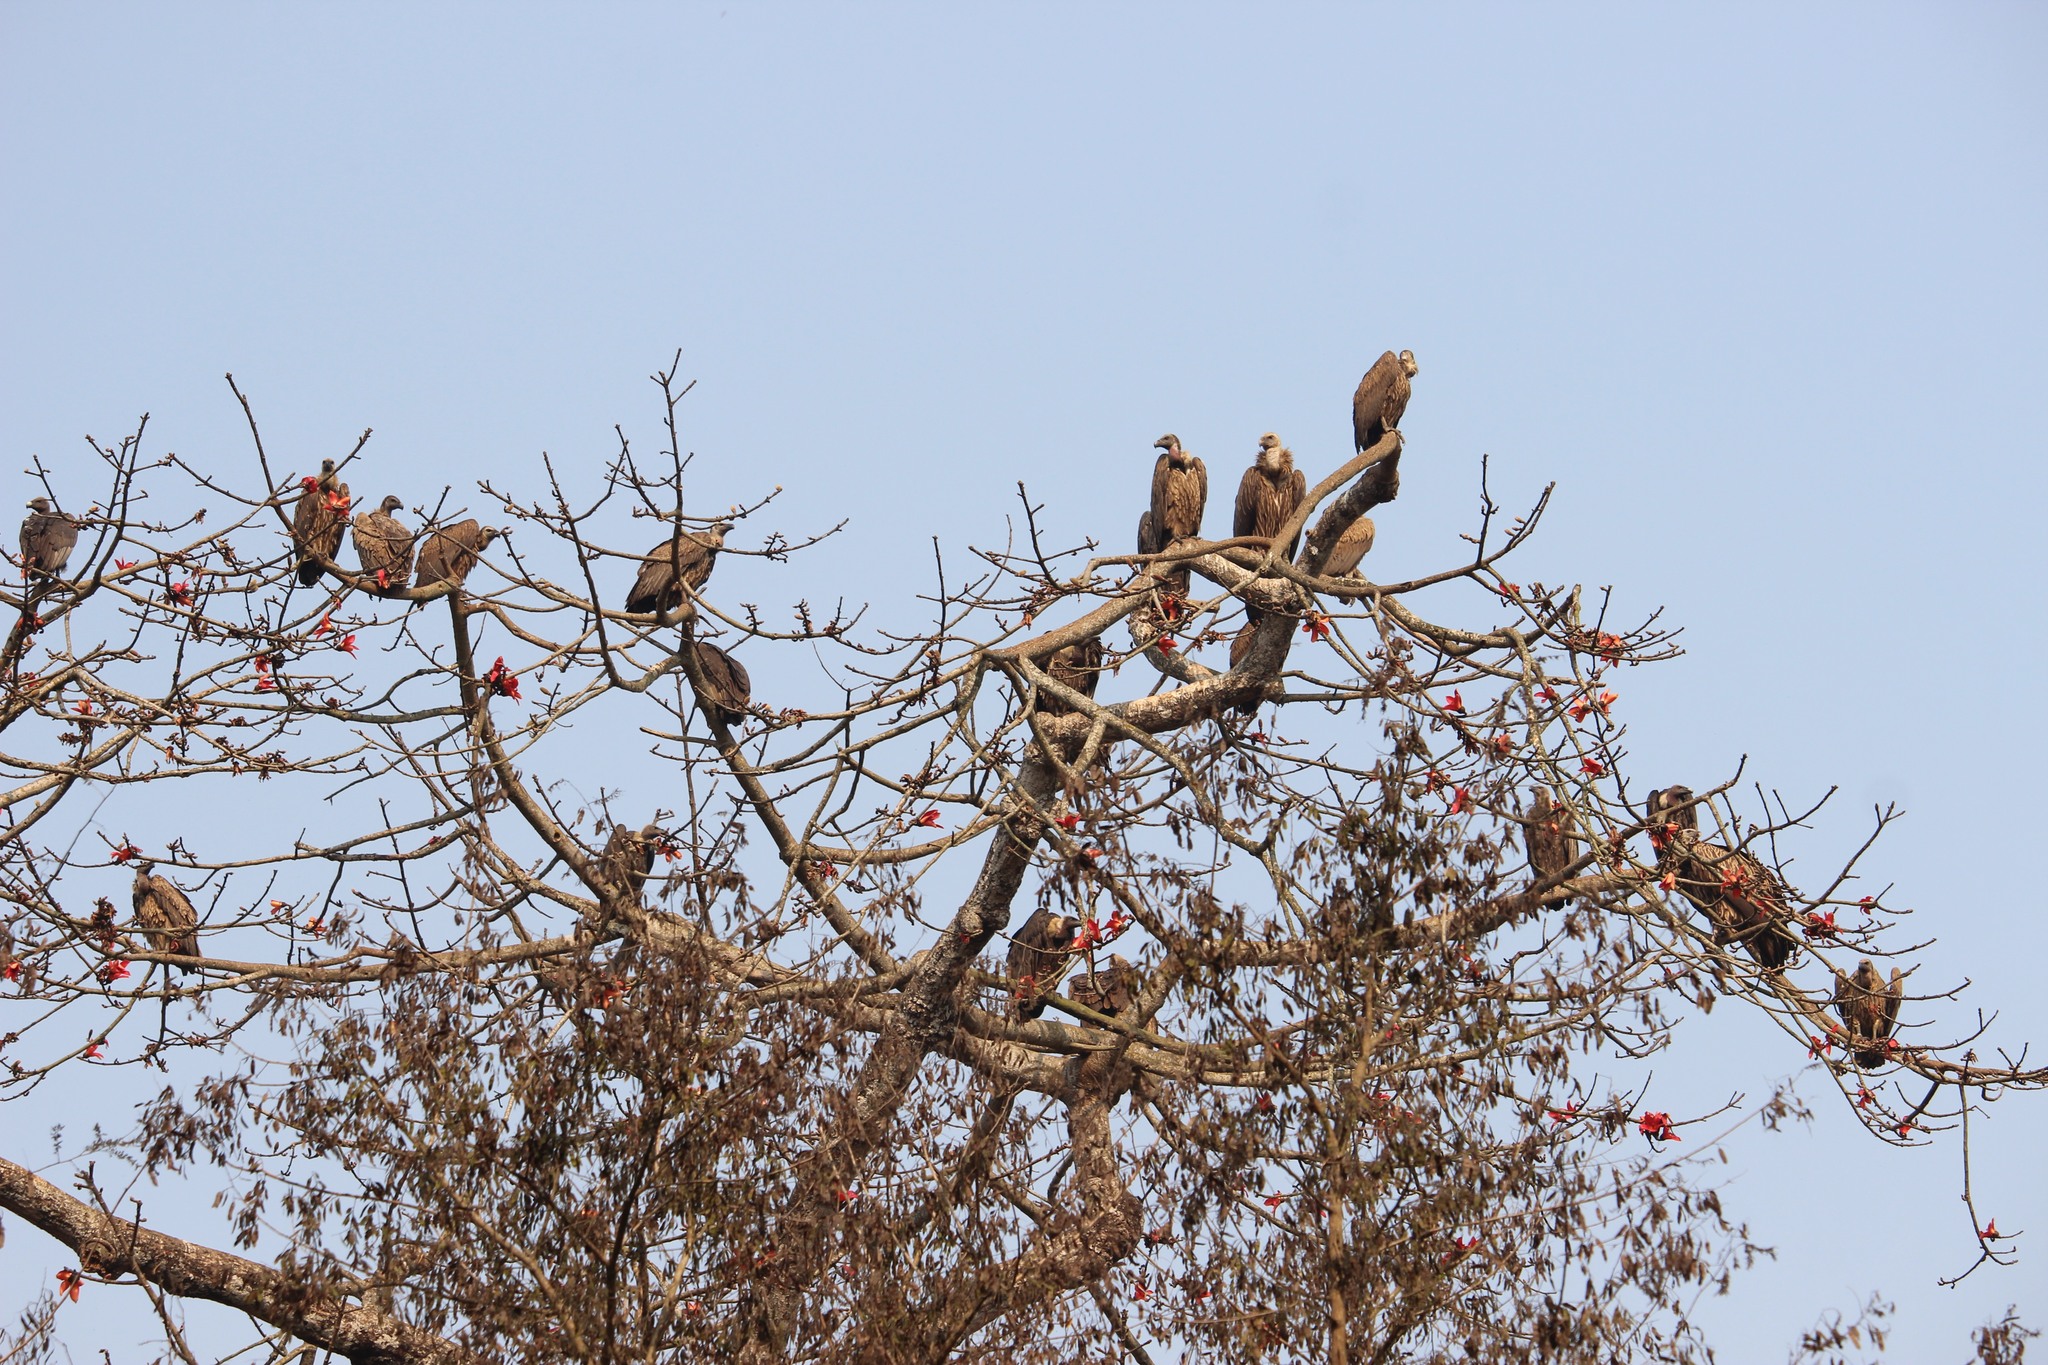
1098	955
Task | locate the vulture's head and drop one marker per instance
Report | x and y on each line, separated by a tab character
1059	931
327	468
1272	455
1673	806
1408	363
392	502
1169	443
143	867
39	503
1867	978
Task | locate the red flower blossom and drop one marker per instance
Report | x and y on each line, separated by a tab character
501	679
113	971
93	1051
1570	1111
125	852
326	624
1431	780
826	870
1316	628
1548	694
1864	1099
12	971
1170	607
181	593
1991	1232
1820	925
1657	1127
69	1282
1273	1201
1069	821
1503	744
347	645
124	563
337	501
1509	590
1816	1045
1578	709
848	1197
1461	800
383	578
309	482
1592	767
930	819
1904	1129
1265	1104
1166	644
1455	704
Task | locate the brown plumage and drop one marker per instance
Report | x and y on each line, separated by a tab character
685	560
450	552
47	538
318	520
1240	646
1381	398
1743	898
1106	990
1039	955
628	859
1550	845
1180	492
1870	1011
1267	496
1352	546
165	914
384	545
723	687
1078	666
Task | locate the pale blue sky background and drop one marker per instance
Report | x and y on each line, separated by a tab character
1762	289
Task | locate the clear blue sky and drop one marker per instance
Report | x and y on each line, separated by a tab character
1762	289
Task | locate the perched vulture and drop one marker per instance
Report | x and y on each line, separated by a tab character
1180	490
451	552
723	688
1077	666
628	859
1381	398
318	520
1550	847
1267	496
1870	1011
1038	958
165	914
685	561
1352	546
1105	990
1744	899
384	545
46	539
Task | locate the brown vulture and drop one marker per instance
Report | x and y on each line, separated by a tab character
723	688
1038	958
1381	398
450	552
685	561
1267	496
1078	666
384	545
628	859
1743	898
1550	846
318	520
1180	490
1870	1011
165	914
1105	990
47	537
1352	546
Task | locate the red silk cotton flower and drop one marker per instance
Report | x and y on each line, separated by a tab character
502	680
1657	1127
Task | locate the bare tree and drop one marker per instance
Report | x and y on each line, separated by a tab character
504	1093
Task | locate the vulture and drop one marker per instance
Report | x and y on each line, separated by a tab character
1550	847
1744	899
1267	496
628	859
451	552
1870	1011
1077	666
685	561
1038	958
46	539
1352	546
165	914
1381	398
318	521
1106	990
723	688
384	545
1180	490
